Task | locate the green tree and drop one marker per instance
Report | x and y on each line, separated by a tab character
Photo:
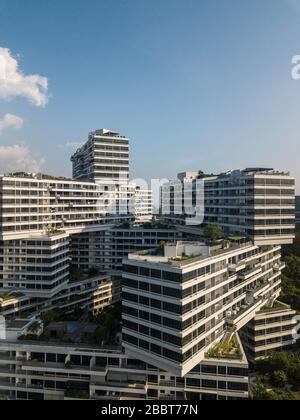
213	232
292	269
261	393
279	378
50	316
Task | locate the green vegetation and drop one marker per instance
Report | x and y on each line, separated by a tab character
280	373
213	233
228	350
155	225
279	379
236	238
276	305
109	325
54	231
293	249
202	175
291	274
278	376
261	392
33	329
42	176
59	315
50	316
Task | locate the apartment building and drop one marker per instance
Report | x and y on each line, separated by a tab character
185	303
31	205
106	249
104	157
61	371
256	202
37	265
271	329
143	205
89	294
178	303
297	210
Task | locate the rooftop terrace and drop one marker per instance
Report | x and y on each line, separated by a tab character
181	254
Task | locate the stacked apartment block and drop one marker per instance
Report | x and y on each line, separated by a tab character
194	313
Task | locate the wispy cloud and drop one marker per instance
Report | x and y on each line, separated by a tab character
19	158
10	121
13	82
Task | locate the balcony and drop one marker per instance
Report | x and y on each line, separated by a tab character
235	268
250	272
167	384
244	314
279	267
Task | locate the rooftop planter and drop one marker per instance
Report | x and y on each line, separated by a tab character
230	349
277	306
249	272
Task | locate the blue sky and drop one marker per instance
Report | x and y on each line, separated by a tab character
195	84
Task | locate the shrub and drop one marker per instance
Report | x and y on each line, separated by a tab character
279	379
213	232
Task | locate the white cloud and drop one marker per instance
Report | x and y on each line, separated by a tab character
14	83
19	158
10	121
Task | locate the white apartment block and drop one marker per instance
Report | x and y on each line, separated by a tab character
185	304
31	205
271	329
45	371
257	203
106	249
177	304
297	210
91	294
37	265
102	158
143	205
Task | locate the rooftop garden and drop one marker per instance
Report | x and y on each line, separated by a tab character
276	305
203	175
237	239
148	225
22	174
230	349
77	274
54	231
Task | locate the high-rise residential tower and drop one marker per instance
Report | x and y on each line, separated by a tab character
257	203
103	158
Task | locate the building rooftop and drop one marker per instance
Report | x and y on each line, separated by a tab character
182	254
